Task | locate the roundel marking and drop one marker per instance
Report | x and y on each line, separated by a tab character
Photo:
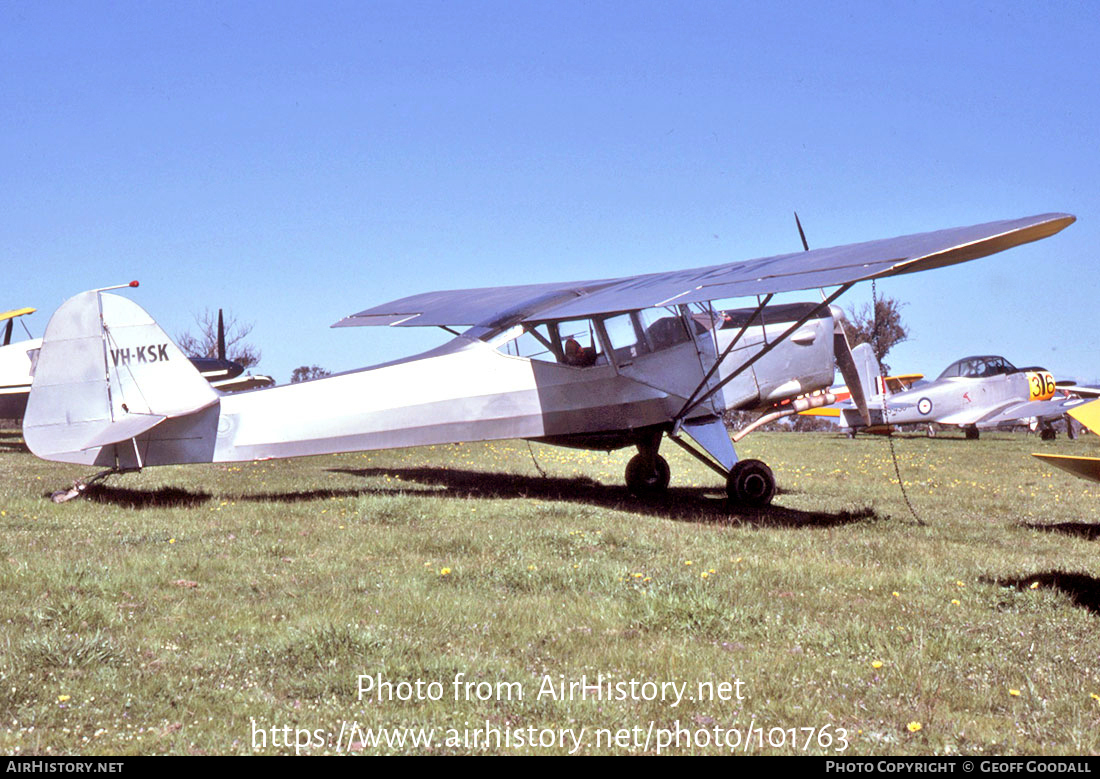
924	406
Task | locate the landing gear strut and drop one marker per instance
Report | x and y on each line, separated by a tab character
750	483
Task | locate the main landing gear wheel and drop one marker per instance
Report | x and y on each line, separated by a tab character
645	481
971	434
1047	434
751	483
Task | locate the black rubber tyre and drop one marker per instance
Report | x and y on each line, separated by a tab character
751	483
647	484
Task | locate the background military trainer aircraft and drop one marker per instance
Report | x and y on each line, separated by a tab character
974	393
652	357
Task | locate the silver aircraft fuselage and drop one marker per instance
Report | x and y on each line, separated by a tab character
469	389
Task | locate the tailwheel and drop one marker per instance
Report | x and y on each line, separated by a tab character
647	480
79	487
751	483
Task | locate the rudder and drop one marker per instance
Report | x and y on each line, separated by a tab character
106	373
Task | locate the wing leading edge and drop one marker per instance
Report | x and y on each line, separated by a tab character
782	273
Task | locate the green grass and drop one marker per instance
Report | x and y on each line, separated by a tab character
194	609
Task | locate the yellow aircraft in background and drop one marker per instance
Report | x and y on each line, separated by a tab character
1085	467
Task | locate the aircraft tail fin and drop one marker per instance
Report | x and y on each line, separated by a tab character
870	375
106	373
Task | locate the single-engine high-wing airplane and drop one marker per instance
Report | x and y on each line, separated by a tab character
599	364
974	393
17	361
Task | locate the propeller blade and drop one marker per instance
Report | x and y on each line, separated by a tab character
801	234
7	331
221	336
842	351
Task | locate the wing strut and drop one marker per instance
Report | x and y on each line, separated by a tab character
692	405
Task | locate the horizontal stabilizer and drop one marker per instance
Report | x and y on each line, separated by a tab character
125	429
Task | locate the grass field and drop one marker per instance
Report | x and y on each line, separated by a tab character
304	605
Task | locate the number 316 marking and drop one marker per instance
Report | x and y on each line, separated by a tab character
1042	386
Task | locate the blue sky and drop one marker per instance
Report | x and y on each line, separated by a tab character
295	163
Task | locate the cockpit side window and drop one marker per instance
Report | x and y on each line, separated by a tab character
533	342
952	370
579	346
623	337
663	329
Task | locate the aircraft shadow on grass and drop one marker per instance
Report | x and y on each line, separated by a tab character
1081	588
683	503
163	497
1086	530
678	503
175	497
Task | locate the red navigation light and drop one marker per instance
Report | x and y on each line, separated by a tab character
134	283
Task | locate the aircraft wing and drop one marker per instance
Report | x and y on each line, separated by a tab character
1040	409
1085	467
902	382
16	312
1078	389
782	273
